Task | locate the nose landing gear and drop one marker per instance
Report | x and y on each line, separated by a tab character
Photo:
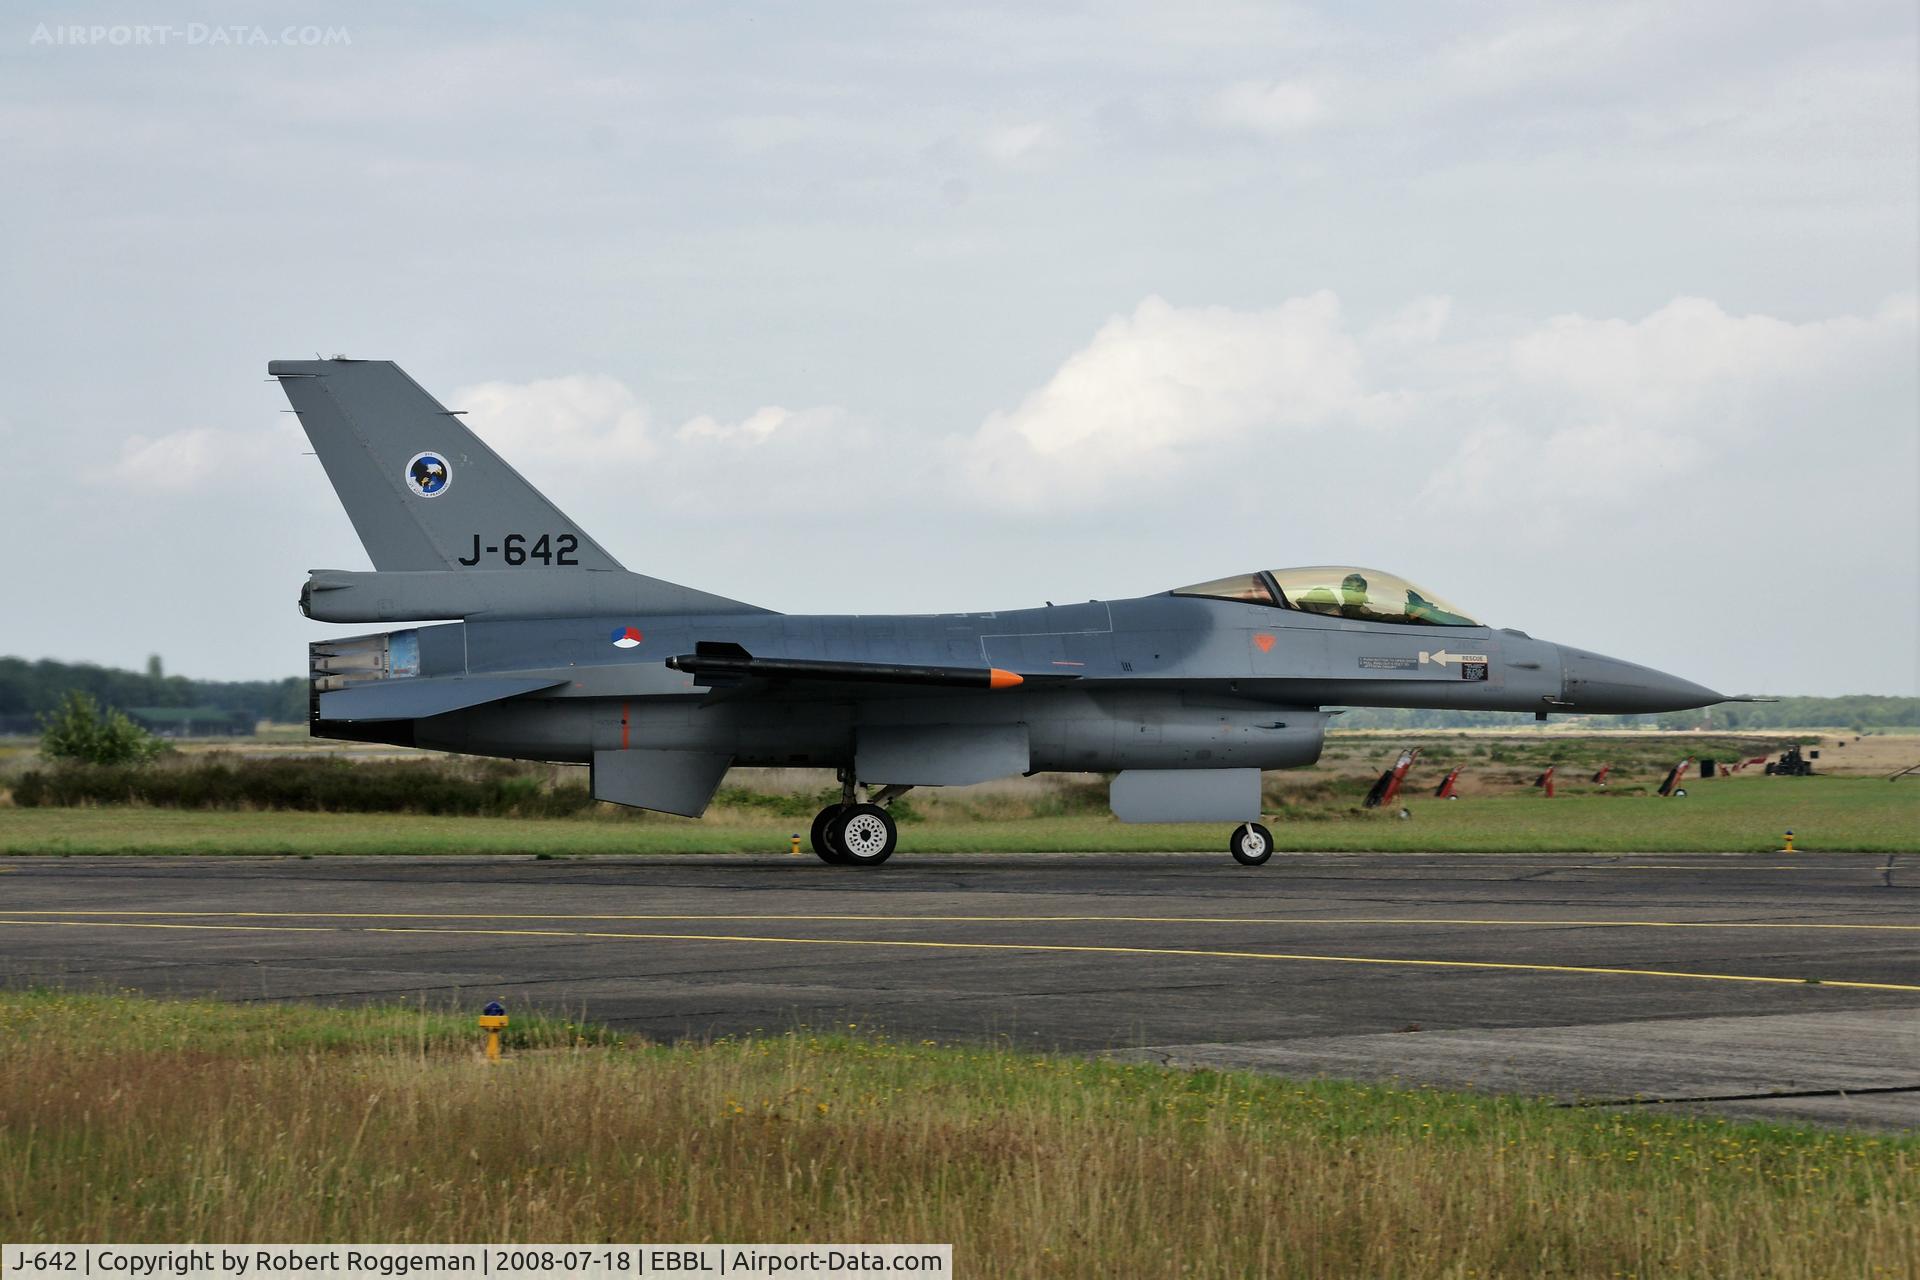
1251	844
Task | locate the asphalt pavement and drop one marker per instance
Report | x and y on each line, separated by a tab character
1782	986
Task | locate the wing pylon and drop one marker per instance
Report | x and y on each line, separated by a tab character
720	664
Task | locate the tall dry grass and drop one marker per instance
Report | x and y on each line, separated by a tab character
1030	1166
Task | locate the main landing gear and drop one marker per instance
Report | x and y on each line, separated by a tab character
1251	844
861	833
855	833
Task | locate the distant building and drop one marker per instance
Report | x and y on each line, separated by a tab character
193	722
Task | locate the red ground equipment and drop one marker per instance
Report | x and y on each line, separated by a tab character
1675	776
1388	785
1545	781
1601	777
1445	790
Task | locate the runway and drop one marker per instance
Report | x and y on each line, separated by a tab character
1762	985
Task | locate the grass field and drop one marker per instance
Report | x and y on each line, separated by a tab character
1747	813
128	1119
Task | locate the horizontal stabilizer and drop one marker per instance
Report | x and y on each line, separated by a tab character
418	697
722	663
343	595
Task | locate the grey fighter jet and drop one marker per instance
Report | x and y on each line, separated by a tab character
543	647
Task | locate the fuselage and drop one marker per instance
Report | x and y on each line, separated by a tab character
1162	681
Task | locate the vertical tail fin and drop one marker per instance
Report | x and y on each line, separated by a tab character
422	490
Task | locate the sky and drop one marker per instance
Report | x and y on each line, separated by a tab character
1597	320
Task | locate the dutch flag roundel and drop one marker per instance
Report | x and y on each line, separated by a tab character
626	637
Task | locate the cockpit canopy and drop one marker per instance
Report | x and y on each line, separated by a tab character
1339	591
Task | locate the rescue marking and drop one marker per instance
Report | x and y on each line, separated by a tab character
1442	657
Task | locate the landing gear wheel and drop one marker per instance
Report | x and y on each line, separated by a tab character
825	838
864	834
1251	845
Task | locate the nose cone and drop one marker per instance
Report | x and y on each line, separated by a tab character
1595	683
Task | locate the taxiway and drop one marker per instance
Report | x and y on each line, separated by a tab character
1764	985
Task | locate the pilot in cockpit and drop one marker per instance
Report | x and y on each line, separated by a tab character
1366	595
1353	597
1421	609
1350	603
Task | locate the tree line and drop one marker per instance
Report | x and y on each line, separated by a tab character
30	689
1860	712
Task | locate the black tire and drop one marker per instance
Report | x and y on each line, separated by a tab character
1251	845
864	835
825	837
1678	792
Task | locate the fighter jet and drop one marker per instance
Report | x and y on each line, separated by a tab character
526	639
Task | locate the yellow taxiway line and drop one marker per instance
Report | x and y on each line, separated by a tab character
848	918
1053	948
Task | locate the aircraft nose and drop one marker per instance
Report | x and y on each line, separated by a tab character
1596	683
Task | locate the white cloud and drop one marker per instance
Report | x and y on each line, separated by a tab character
1448	415
564	418
203	458
1445	413
1164	381
1420	321
1567	411
596	416
1022	143
1558	45
545	427
757	428
1687	351
1595	408
178	461
1269	109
